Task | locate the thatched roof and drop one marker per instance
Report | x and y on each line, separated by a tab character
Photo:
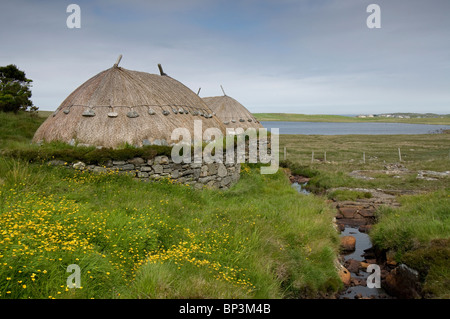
232	113
119	106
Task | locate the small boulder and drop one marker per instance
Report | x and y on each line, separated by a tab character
344	275
348	243
79	165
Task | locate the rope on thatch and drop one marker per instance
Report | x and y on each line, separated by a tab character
231	112
120	106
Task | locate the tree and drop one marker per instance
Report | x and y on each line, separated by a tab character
15	90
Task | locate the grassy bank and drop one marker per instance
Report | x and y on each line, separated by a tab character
18	129
419	235
418	232
260	239
160	240
445	120
370	156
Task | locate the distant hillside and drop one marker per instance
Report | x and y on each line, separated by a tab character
413	118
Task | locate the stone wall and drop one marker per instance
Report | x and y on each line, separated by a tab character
214	175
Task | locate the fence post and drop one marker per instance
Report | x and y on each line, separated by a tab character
285	153
312	157
364	157
399	155
325	156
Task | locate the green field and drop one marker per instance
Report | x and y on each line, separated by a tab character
418	232
260	239
164	240
445	120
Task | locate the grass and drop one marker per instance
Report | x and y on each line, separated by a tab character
344	154
418	231
419	234
443	120
346	194
17	130
160	240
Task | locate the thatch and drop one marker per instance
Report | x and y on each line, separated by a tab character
119	106
232	113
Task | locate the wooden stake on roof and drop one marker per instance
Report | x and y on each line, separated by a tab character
118	61
199	91
161	69
222	90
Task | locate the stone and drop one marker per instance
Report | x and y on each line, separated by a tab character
161	160
225	182
205	180
187	172
79	165
403	282
175	174
367	212
348	243
212	168
126	167
353	265
344	275
118	163
56	163
196	173
348	212
222	170
146	169
142	174
364	265
204	171
99	170
136	161
158	169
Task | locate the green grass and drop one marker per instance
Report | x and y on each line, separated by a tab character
160	240
418	231
445	120
419	234
346	194
17	130
344	154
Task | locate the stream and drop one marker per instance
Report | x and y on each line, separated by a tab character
362	246
358	288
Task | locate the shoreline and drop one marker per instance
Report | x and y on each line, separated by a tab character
291	117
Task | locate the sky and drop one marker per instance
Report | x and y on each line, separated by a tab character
273	56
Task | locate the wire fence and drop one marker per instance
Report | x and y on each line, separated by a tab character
391	155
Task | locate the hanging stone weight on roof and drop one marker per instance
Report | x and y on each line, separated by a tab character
227	108
89	113
124	93
132	114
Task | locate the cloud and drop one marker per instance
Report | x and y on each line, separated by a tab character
284	56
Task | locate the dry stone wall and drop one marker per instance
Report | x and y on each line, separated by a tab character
214	175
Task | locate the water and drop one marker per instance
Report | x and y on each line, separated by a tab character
362	243
325	128
301	188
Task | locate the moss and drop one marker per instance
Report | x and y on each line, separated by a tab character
431	261
88	155
346	194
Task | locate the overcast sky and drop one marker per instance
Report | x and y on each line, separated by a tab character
292	56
